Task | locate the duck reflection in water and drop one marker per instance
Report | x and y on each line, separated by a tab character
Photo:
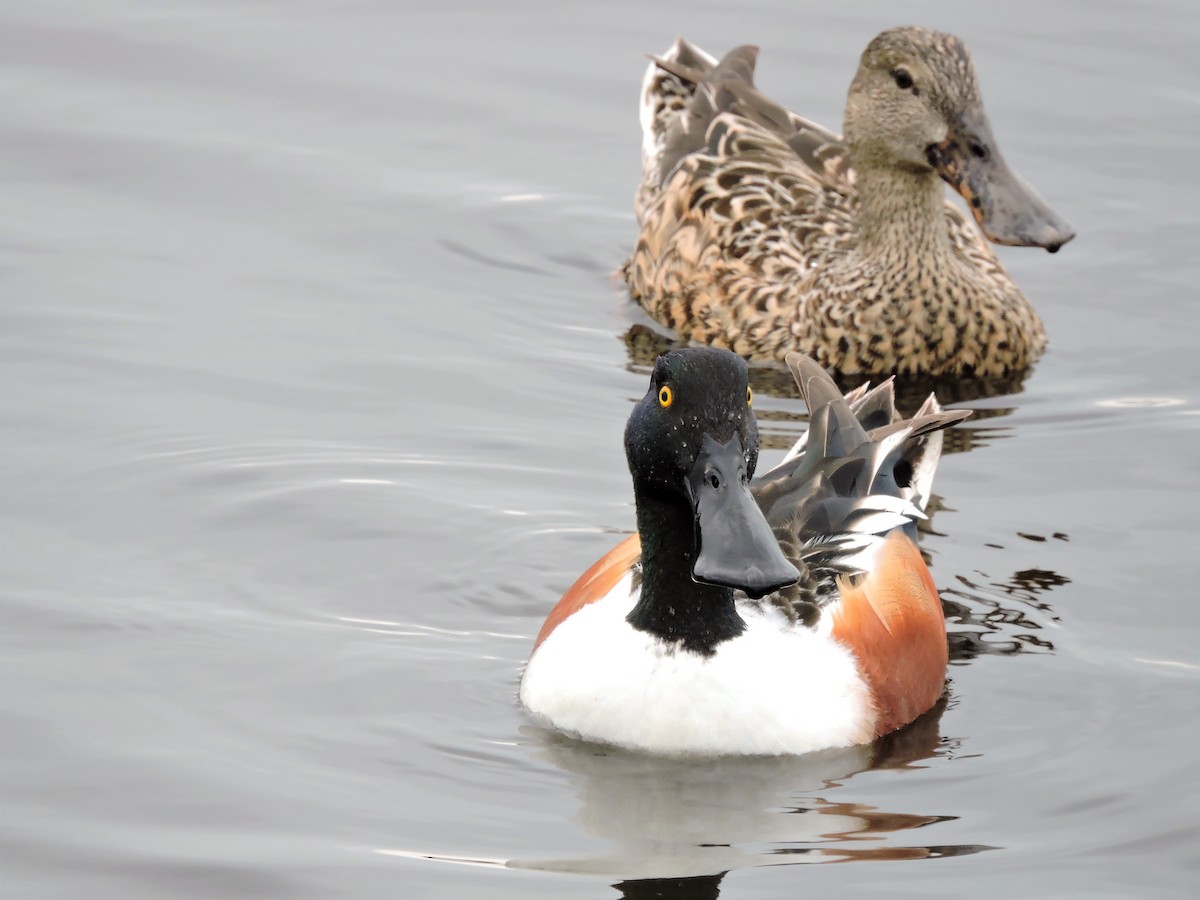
677	825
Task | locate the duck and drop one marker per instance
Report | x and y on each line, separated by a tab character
753	616
765	233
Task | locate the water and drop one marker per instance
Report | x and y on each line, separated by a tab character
314	379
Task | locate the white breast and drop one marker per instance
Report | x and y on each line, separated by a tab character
775	689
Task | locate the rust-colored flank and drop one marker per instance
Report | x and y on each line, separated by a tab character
893	622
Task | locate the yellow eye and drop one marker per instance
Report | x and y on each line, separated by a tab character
666	396
749	396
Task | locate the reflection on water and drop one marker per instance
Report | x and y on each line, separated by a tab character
698	887
678	824
981	618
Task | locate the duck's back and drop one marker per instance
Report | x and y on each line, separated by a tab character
737	193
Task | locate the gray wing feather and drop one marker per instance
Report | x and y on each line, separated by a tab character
836	498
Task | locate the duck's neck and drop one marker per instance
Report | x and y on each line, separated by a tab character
902	215
672	605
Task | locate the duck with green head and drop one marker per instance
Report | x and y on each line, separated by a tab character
765	233
776	614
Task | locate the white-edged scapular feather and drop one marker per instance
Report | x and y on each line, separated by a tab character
872	520
599	679
663	99
879	401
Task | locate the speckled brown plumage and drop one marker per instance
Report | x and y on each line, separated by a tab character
764	233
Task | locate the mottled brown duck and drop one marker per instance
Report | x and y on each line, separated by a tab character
765	233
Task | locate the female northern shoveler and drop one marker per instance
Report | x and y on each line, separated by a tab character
766	233
839	636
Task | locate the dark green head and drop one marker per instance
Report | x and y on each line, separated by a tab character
694	392
692	442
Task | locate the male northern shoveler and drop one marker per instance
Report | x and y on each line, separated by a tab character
837	637
765	233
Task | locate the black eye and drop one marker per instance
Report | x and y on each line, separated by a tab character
977	150
903	80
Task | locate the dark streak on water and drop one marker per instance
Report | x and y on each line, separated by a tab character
314	379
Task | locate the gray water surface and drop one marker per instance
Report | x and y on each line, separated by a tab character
314	376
